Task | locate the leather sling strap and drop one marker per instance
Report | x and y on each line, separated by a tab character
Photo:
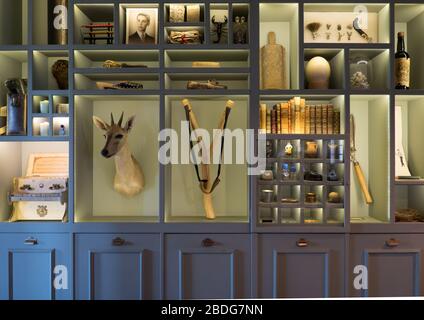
196	166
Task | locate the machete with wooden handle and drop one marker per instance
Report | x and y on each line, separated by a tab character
356	165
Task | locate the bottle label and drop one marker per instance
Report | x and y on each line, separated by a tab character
402	71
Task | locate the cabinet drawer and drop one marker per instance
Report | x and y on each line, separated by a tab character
28	262
117	266
207	266
393	262
300	265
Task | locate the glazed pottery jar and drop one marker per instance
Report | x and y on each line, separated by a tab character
311	149
318	73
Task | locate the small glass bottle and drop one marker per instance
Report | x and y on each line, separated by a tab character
285	173
293	172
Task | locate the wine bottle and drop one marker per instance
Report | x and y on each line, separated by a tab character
402	64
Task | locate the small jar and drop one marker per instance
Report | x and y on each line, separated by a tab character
360	72
310	197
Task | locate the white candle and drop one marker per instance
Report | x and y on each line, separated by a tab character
44	106
44	129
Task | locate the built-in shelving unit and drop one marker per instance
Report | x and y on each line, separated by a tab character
164	69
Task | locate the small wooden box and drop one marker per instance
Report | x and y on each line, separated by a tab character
42	194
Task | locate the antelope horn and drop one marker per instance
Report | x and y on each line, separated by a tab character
112	121
225	19
213	19
120	119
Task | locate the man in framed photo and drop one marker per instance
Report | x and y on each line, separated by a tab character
140	36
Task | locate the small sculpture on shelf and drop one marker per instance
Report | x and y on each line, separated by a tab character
129	178
60	73
240	30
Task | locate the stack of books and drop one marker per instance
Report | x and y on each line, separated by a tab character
296	117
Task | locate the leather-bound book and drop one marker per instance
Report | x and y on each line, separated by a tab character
330	117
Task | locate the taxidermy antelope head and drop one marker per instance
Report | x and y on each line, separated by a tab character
218	27
129	179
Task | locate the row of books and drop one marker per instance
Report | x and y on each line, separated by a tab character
295	117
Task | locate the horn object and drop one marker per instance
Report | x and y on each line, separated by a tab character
120	119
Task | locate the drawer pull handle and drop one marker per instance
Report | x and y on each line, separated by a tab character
392	243
208	242
302	243
31	241
118	242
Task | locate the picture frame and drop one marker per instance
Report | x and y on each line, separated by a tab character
141	26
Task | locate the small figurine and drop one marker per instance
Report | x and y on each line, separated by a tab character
288	149
62	130
240	30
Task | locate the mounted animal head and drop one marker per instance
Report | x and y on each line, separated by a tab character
115	135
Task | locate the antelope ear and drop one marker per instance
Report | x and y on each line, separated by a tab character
129	124
100	123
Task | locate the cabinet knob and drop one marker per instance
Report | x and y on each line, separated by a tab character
392	243
302	243
118	242
31	241
208	242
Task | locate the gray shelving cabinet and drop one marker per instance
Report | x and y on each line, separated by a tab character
165	257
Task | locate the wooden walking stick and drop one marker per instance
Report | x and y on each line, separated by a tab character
356	165
207	186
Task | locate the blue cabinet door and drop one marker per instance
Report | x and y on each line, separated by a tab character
300	265
117	266
35	266
208	266
387	265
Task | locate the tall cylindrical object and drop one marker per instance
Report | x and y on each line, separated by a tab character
58	22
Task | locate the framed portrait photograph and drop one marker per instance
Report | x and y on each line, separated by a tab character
141	26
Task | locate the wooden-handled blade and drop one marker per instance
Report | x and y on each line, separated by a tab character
362	182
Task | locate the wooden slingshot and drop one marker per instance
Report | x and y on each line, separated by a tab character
207	186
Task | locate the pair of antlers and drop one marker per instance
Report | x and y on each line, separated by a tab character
112	121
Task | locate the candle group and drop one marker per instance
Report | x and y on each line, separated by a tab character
44	106
44	128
